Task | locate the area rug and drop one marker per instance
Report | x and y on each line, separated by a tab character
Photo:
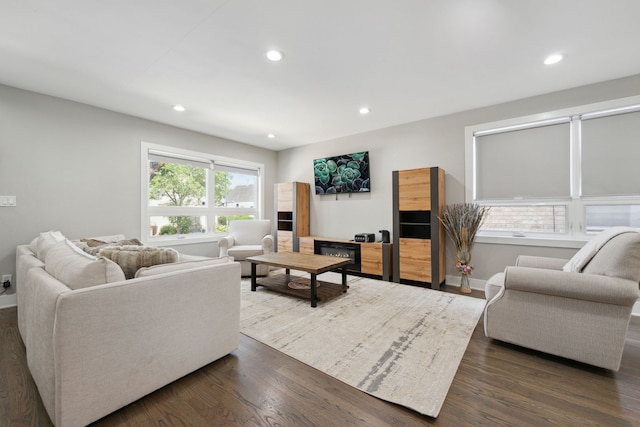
400	343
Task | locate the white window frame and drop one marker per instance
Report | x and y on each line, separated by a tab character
210	211
576	234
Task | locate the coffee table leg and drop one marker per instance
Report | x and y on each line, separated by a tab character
344	279
314	290
253	277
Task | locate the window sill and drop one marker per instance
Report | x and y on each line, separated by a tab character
548	242
182	239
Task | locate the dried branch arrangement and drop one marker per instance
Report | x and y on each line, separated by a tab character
462	221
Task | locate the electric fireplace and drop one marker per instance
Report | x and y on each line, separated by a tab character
341	250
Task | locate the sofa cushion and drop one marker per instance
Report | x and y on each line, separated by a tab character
44	242
131	258
179	266
241	252
76	269
619	257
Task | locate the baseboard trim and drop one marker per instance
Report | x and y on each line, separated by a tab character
7	301
476	284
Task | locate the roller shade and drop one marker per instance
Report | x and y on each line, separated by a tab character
610	153
526	163
221	167
159	156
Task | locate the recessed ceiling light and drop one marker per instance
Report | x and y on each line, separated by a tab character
553	59
179	107
365	110
271	135
275	55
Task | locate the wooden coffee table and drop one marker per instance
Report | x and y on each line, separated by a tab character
312	264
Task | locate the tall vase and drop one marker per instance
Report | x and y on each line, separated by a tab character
465	287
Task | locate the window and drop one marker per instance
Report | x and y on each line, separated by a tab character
559	175
189	195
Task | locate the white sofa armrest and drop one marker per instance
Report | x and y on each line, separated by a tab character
540	262
267	243
224	244
588	287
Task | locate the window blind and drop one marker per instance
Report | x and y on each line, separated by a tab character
610	153
523	163
159	156
221	167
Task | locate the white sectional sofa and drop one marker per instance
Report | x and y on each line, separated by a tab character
96	341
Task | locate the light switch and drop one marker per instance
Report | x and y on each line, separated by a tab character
7	200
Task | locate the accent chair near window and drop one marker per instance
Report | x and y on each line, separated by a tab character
578	309
248	238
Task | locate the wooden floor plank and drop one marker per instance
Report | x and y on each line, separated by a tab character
496	385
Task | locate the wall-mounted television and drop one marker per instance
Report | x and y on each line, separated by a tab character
348	173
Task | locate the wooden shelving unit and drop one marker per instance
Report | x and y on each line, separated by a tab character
418	234
291	215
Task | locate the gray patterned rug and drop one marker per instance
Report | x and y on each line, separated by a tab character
399	343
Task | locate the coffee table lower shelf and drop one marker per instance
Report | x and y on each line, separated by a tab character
280	283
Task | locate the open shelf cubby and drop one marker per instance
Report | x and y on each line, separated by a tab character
415	224
415	230
285	221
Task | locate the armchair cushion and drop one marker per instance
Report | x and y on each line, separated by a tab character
241	252
619	257
592	247
249	232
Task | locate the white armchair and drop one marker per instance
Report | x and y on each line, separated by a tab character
248	238
578	309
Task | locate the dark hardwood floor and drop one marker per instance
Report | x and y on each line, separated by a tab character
496	385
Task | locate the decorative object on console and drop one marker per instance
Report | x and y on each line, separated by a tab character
461	222
385	236
348	173
365	237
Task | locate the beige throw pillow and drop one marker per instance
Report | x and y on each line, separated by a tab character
76	269
46	241
132	258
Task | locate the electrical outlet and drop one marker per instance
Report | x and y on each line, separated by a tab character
6	278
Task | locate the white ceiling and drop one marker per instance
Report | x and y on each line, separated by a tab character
405	59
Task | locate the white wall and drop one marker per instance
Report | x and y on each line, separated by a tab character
76	168
433	142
